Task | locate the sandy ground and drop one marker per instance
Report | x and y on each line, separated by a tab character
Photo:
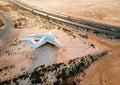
73	46
103	11
21	58
104	72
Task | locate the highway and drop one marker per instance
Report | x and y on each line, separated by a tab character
83	24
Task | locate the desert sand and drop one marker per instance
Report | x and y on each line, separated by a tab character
23	58
104	72
102	11
18	58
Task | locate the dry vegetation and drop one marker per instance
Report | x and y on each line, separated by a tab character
17	54
17	58
103	11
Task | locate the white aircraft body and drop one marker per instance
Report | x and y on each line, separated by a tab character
44	38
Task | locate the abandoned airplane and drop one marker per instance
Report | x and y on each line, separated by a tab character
43	38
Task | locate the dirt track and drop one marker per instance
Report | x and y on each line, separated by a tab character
106	71
22	57
19	56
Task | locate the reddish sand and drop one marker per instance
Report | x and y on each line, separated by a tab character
104	72
104	11
74	47
22	57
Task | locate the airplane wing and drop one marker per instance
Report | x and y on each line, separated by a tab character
29	41
35	36
55	42
33	44
39	43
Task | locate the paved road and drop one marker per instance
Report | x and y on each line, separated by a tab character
85	24
7	28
